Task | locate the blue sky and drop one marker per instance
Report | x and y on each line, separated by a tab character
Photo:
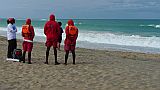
97	9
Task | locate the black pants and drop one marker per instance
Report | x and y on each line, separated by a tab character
12	44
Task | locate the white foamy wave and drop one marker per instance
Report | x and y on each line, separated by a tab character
38	31
109	38
157	26
74	24
43	19
78	23
151	25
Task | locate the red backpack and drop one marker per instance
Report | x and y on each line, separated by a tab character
17	54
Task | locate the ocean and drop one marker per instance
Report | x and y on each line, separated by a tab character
138	35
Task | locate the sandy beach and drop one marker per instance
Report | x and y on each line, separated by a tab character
94	70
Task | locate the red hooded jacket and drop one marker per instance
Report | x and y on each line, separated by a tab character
70	40
28	22
52	29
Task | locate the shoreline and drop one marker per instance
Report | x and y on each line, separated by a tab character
100	46
94	70
124	53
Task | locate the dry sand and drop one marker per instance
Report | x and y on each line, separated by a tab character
94	70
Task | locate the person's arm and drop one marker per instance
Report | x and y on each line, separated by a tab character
77	34
61	30
67	32
32	32
15	28
22	32
10	28
75	38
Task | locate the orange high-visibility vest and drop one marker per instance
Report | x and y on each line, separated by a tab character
25	30
72	30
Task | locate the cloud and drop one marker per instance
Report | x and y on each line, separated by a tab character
79	8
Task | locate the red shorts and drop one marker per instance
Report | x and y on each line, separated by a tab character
51	43
69	47
27	46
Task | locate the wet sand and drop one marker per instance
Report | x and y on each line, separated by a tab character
94	70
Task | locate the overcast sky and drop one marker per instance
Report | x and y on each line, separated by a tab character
97	9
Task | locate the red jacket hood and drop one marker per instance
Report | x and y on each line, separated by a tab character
52	17
70	22
28	21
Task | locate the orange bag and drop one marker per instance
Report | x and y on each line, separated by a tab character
25	30
72	30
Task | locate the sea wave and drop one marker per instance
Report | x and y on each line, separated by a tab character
151	25
108	38
43	19
38	31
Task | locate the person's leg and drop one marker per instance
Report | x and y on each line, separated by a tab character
9	54
60	40
29	58
24	54
66	56
47	54
29	49
24	44
12	44
15	44
55	55
73	55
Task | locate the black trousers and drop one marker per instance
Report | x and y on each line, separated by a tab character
12	44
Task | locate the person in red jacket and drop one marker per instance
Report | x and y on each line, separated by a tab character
70	41
28	40
52	32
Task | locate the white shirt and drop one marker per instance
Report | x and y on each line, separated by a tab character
11	31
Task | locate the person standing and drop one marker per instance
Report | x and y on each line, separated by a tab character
60	37
28	36
11	37
52	32
70	41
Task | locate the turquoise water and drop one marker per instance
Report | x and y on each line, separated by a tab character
128	34
142	27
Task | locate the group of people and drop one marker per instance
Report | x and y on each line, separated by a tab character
53	32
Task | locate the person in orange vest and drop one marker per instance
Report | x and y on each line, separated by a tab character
52	32
70	41
28	36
